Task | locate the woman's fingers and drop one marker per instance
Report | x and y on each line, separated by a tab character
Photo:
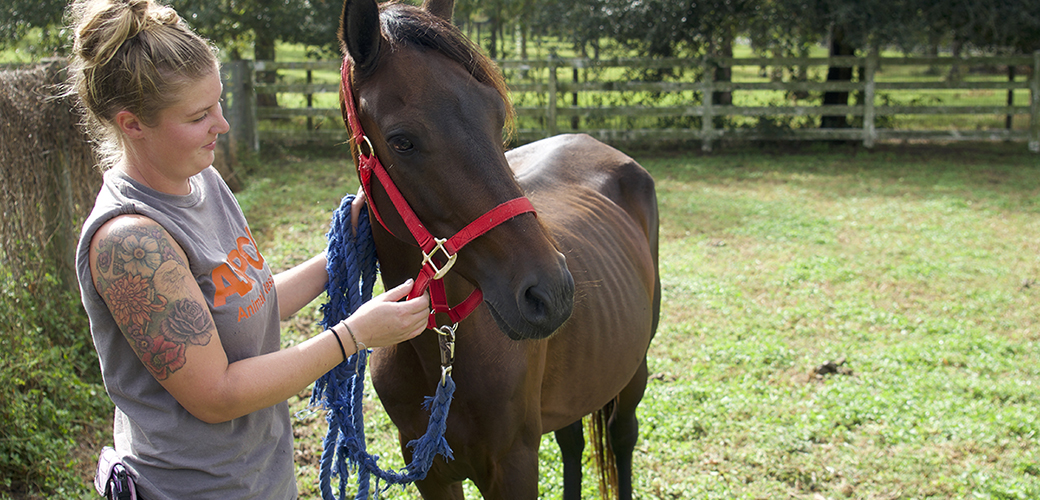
388	320
355	209
398	292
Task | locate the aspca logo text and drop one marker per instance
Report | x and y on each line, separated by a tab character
231	278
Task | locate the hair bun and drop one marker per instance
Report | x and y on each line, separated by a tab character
158	15
102	26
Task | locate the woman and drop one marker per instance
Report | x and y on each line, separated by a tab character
184	310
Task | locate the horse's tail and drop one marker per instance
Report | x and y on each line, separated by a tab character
599	436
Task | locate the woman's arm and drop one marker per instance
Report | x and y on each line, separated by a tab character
161	310
300	285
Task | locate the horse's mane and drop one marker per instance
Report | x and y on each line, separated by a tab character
403	24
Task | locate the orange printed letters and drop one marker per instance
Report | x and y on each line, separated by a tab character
231	277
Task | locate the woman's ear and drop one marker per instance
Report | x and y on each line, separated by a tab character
129	124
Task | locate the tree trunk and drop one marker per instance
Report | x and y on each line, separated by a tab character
801	74
955	68
59	236
493	44
724	73
264	51
932	50
522	31
1009	122
839	47
575	121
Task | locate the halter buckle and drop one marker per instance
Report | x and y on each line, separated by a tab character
439	272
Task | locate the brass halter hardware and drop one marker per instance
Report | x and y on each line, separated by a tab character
439	272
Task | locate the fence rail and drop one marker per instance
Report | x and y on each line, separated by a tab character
549	104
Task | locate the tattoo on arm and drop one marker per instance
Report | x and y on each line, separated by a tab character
136	273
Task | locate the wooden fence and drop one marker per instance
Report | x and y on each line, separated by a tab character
683	101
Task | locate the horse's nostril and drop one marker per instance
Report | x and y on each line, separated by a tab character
537	307
546	307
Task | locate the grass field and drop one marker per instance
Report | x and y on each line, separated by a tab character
837	323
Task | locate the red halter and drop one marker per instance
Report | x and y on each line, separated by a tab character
430	276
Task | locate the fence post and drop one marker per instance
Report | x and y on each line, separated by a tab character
708	113
230	77
60	236
550	113
1034	105
242	115
60	210
869	130
251	129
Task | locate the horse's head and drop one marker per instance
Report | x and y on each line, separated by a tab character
433	108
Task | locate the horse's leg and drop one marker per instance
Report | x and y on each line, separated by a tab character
431	489
624	429
572	443
511	477
435	486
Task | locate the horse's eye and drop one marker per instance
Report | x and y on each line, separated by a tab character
400	144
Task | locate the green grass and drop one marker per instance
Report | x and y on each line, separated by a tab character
912	268
919	266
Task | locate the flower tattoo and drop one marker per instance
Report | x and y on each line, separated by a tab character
132	300
163	357
104	260
140	255
188	322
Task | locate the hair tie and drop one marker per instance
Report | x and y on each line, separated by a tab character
340	342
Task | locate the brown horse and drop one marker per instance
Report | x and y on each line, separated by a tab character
571	296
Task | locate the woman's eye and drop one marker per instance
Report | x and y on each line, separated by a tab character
401	144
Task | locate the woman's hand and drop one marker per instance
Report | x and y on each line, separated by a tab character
383	321
355	209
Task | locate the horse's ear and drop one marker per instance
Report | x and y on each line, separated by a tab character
359	33
443	9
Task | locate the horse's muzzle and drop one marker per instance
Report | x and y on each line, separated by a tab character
543	300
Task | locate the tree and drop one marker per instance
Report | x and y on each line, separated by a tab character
499	16
19	17
790	27
987	25
689	28
233	24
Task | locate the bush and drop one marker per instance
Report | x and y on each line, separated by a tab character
51	395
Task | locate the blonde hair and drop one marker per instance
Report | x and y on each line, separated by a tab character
133	55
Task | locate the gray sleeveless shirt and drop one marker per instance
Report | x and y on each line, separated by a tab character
172	454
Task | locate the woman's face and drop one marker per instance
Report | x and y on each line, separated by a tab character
182	142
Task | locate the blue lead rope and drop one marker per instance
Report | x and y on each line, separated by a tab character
352	272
